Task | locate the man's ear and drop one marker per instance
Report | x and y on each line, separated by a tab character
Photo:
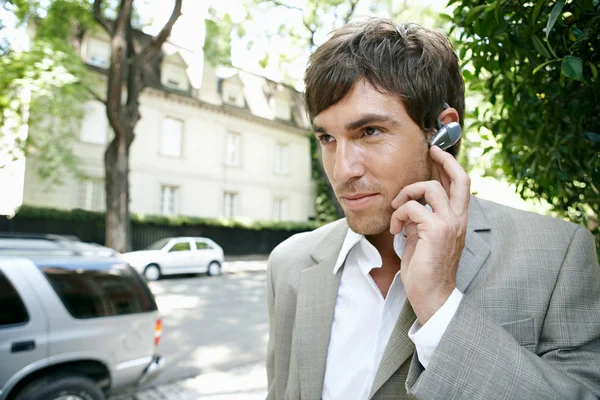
449	115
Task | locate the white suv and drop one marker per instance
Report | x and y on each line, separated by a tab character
74	328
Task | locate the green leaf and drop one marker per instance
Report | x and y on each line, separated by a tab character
554	16
536	10
445	17
562	175
474	13
594	137
594	71
499	4
572	67
539	46
263	62
543	65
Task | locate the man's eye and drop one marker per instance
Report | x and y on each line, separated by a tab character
370	131
326	139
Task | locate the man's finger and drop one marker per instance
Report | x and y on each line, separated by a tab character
410	211
433	193
460	182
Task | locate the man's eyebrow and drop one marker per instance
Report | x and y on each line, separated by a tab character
359	123
369	119
318	129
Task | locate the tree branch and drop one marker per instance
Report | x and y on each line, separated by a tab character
155	45
353	4
312	31
282	4
95	95
100	18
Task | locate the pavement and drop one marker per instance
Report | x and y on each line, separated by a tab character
244	377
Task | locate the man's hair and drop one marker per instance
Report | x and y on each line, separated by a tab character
417	64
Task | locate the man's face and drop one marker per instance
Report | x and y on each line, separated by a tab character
371	150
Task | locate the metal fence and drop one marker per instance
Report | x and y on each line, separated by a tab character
235	241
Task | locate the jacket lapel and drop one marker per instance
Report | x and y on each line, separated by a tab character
476	251
317	295
398	349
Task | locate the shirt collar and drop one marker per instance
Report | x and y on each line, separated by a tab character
352	238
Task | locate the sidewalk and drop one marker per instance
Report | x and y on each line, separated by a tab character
246	383
251	263
243	383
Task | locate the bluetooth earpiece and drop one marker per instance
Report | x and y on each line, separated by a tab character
447	135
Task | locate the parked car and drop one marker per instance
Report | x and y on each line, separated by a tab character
74	327
40	242
180	255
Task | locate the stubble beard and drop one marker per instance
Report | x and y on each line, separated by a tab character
373	223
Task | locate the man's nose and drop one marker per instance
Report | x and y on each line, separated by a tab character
348	162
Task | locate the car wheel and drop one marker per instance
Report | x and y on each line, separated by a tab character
61	388
214	269
152	272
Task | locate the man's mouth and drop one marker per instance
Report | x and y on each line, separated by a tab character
358	200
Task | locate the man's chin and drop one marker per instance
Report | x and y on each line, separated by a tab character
367	224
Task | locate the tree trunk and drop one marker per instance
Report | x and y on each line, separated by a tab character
125	71
116	164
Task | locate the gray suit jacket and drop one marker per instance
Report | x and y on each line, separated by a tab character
528	326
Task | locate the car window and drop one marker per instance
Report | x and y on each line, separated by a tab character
158	245
12	309
202	245
99	290
181	246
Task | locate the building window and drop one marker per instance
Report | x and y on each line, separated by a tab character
91	194
230	204
94	127
281	159
279	208
281	108
234	96
169	196
170	139
174	76
232	150
98	53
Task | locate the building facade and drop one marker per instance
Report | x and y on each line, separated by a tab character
236	146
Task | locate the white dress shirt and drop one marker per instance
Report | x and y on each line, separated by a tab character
363	321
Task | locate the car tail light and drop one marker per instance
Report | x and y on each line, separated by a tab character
157	331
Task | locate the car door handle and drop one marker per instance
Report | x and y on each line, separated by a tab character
17	347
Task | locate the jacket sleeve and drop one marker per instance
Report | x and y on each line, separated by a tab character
271	344
479	359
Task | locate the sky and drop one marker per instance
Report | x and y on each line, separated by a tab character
189	31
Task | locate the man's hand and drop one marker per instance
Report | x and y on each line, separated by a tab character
434	239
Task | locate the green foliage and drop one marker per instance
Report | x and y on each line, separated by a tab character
41	99
217	43
535	65
325	208
29	212
43	88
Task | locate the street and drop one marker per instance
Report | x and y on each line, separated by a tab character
215	332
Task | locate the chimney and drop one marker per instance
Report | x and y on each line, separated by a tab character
209	91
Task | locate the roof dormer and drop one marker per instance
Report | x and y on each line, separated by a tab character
232	90
280	104
173	72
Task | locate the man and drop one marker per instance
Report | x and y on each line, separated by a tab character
422	290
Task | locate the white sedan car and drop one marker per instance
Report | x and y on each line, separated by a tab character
181	255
